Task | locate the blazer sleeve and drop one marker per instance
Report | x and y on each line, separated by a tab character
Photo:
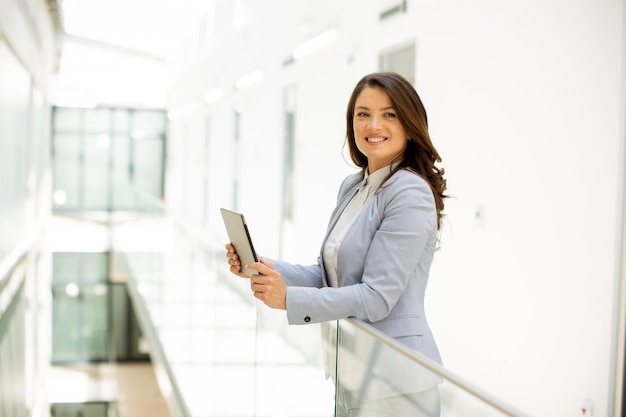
299	275
382	263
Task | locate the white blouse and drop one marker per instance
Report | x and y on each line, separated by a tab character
366	190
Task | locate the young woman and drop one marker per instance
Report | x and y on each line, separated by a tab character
375	259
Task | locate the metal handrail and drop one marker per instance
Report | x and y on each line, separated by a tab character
12	274
169	386
410	354
435	368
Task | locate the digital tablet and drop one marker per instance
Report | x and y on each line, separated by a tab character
239	236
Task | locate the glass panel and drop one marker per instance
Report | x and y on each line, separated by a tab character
13	397
79	323
81	268
96	172
96	164
225	356
67	120
95	326
97	120
99	410
65	268
40	135
121	121
121	157
119	321
90	409
224	353
95	267
66	317
148	166
15	92
298	350
67	171
80	307
375	378
123	196
151	121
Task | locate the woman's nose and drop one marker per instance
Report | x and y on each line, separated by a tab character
374	124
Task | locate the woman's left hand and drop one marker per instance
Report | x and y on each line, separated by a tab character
269	285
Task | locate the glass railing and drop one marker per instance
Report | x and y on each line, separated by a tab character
22	327
12	342
219	352
215	352
371	365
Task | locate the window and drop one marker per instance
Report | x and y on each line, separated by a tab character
107	159
400	59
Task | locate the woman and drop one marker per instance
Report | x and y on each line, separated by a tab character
382	236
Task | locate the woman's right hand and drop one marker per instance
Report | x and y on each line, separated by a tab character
234	262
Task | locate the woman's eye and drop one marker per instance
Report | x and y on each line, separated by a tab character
390	115
361	114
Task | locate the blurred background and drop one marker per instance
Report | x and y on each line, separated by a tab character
109	109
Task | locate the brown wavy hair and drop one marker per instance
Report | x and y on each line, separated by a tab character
420	156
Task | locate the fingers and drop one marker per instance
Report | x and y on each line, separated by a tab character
267	263
230	250
236	270
233	259
268	286
262	267
260	284
234	262
262	281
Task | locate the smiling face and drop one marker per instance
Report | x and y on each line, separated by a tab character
378	133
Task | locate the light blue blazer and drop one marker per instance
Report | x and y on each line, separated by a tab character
382	266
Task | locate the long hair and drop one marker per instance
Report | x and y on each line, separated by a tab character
420	156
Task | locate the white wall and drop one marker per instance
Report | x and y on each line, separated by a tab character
27	62
524	106
525	103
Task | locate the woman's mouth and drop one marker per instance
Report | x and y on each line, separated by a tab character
376	139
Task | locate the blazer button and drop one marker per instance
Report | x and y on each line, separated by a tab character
307	319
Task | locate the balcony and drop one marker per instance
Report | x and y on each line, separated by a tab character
220	352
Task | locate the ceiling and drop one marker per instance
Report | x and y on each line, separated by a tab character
146	26
113	53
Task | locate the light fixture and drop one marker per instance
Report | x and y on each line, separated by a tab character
72	290
189	108
314	43
248	79
142	134
213	95
174	114
59	197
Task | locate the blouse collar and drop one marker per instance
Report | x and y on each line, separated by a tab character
376	179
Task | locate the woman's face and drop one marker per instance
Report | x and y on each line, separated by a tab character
378	132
